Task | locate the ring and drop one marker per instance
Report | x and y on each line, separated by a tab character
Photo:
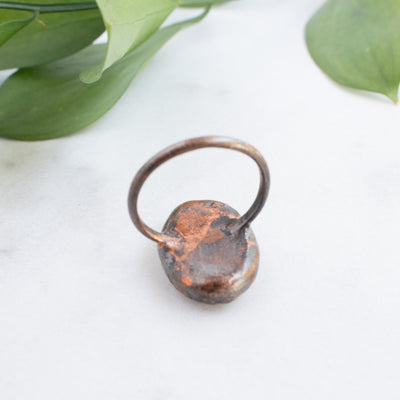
190	145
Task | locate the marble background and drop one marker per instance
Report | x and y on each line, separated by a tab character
86	311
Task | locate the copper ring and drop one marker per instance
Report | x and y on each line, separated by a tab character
184	147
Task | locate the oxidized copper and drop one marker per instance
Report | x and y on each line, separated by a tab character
203	258
207	249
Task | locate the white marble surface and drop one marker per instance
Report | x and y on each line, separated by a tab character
86	311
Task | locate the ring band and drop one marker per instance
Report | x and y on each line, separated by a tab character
184	147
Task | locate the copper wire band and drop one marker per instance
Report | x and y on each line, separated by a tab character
184	147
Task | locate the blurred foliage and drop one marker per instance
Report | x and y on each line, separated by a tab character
63	82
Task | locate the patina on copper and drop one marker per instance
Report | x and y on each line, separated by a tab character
204	259
207	249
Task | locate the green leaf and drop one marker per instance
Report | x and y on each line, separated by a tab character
128	24
50	101
10	28
201	3
357	43
49	36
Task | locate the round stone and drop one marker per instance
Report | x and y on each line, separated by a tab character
203	258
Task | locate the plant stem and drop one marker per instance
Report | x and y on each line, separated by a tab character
48	7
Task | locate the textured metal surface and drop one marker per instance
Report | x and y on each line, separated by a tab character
207	249
184	147
202	258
